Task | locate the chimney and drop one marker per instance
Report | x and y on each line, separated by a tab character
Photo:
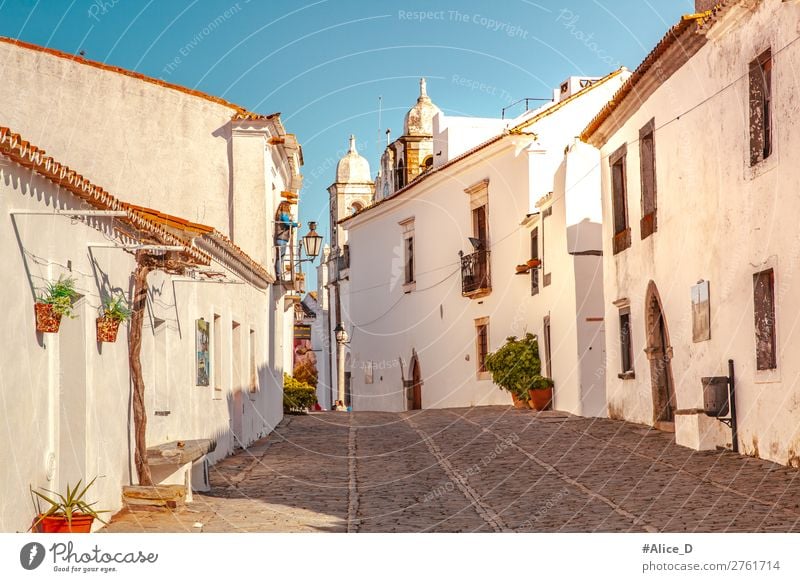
703	5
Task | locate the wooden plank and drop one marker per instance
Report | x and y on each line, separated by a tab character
172	454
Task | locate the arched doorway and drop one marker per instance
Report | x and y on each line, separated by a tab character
659	353
416	385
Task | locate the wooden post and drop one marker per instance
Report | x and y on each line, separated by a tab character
134	355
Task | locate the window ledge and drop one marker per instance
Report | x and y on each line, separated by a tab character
762	167
409	287
630	375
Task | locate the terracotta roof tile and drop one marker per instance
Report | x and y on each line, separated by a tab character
690	23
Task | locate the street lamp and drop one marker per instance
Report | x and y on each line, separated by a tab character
312	241
342	338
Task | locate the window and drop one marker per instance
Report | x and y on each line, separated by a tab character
409	259
400	175
482	347
622	233
647	163
427	164
535	257
548	362
764	307
253	365
409	266
761	108
216	365
546	277
479	228
625	343
475	272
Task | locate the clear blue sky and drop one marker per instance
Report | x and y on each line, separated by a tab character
324	63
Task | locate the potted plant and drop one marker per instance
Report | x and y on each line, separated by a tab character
115	311
68	512
54	303
540	393
298	396
516	367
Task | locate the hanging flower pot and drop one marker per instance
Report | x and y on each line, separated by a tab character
115	311
47	319
53	303
107	329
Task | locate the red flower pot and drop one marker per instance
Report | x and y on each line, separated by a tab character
107	329
540	399
58	524
47	320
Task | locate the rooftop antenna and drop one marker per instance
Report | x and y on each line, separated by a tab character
380	111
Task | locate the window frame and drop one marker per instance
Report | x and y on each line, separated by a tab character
772	364
626	345
482	348
649	191
621	237
761	146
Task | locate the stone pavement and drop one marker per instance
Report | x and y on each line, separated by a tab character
480	470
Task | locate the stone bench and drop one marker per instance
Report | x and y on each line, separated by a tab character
173	463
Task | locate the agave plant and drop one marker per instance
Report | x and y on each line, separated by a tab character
67	505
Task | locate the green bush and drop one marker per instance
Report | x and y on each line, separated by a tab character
297	395
517	368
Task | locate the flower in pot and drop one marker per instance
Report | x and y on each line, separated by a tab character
54	303
540	393
115	311
516	367
68	512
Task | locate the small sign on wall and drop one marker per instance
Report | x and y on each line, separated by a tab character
701	312
203	362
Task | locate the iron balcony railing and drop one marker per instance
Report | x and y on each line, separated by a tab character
475	275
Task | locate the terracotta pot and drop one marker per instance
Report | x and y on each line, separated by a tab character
47	320
58	524
107	329
517	402
532	263
522	268
540	399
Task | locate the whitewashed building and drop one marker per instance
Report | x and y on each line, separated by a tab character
700	247
433	278
194	179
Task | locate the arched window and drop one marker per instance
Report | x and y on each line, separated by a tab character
356	207
400	179
427	164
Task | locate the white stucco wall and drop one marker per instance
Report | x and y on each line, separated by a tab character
721	221
66	397
435	322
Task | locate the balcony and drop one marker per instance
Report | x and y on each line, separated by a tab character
475	275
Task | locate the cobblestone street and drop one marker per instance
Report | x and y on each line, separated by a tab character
480	469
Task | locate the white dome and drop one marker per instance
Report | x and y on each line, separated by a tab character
353	168
419	119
